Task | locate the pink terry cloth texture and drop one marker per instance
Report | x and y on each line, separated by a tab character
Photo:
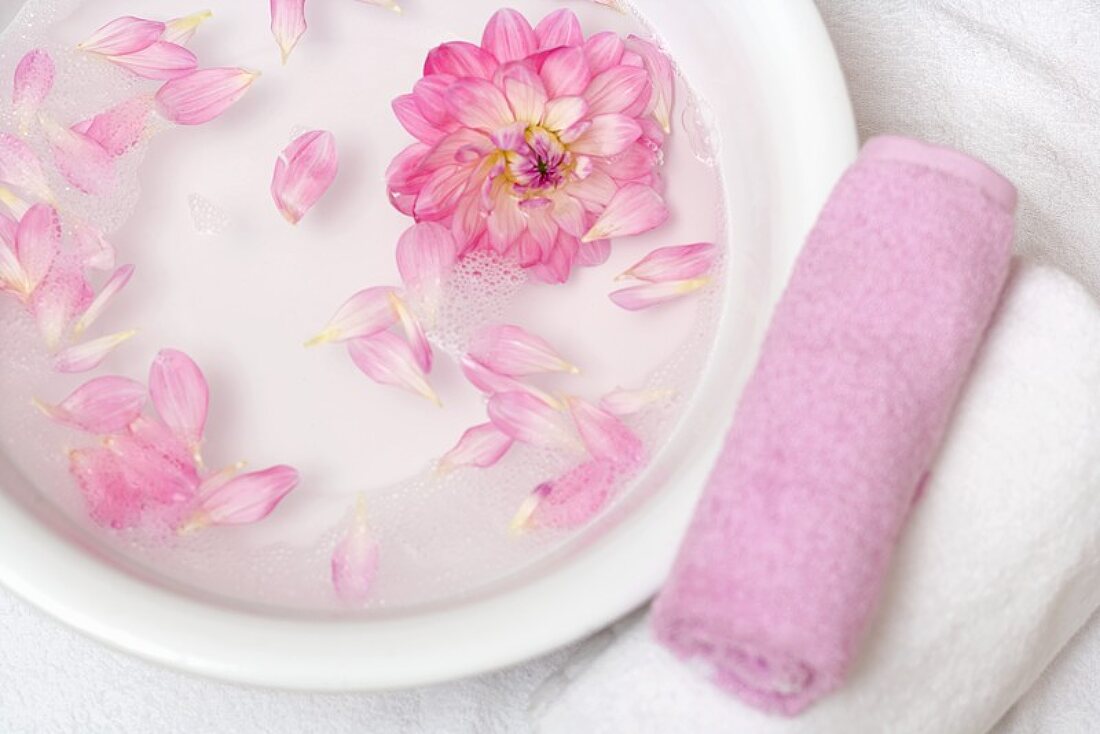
868	349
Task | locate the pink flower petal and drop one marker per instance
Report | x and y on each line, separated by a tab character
123	36
15	205
564	112
119	128
33	81
180	30
180	394
569	501
38	242
20	167
509	37
635	209
244	500
203	95
513	351
560	28
101	406
631	402
82	161
557	264
603	51
478	104
683	262
654	294
426	253
566	73
594	254
159	466
430	94
160	60
506	222
481	446
528	101
388	359
663	76
355	559
13	279
491	383
606	437
620	89
61	296
89	355
527	419
414	334
107	293
608	135
112	501
410	114
288	24
364	314
303	173
461	59
441	193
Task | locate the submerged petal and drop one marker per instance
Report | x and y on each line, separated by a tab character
245	499
180	394
527	419
61	296
102	406
635	209
491	383
123	35
82	161
569	501
203	95
20	167
303	173
682	262
33	81
107	293
364	314
632	402
605	436
38	243
481	446
160	60
388	359
119	128
288	24
89	355
111	499
511	350
180	30
355	559
654	294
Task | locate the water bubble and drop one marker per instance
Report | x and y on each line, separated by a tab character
209	219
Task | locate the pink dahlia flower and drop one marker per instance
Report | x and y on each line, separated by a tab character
525	143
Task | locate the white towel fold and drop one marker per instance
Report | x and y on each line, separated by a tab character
999	567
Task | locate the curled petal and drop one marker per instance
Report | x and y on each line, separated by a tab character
414	334
355	559
82	161
203	95
20	167
461	59
121	127
605	436
180	30
388	359
124	35
481	446
654	294
245	499
61	296
560	28
635	209
89	355
33	81
514	352
426	252
303	173
608	135
364	314
565	72
509	37
683	262
288	24
527	419
101	406
180	394
632	402
620	89
569	501
478	104
160	60
107	293
38	243
663	76
491	383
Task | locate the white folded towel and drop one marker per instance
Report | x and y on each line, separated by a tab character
999	567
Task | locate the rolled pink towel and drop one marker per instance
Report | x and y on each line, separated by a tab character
868	349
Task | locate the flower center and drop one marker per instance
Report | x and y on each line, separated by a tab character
542	163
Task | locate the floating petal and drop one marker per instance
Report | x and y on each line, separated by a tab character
663	76
112	501
654	294
635	209
181	396
303	173
388	359
160	60
606	437
288	24
414	334
481	446
513	351
38	243
107	293
364	314
569	501
20	167
89	355
180	30
632	402
203	95
33	81
491	383
527	419
426	252
82	161
121	127
355	559
683	262
124	35
13	279
245	499
62	295
101	406
509	37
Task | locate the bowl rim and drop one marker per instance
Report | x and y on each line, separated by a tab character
817	140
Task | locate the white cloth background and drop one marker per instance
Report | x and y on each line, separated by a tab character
1016	82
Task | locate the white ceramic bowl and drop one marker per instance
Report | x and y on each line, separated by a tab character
779	104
